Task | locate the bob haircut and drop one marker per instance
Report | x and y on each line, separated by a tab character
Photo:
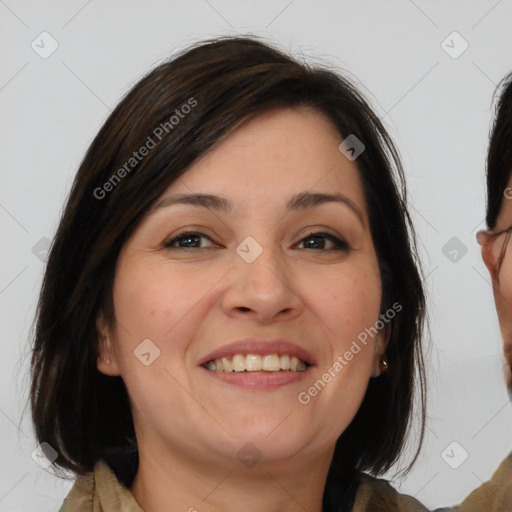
499	156
85	415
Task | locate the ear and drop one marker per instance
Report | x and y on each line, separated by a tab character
487	255
106	360
381	344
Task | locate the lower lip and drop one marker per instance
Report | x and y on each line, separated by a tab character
259	380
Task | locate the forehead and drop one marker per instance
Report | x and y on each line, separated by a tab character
274	156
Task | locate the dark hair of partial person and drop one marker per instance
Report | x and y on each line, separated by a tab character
85	415
499	155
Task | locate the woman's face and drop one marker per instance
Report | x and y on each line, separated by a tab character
502	278
196	277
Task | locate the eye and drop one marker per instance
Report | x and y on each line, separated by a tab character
317	240
187	240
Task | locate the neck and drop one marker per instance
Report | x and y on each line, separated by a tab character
169	482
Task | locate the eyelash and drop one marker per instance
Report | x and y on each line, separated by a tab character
341	244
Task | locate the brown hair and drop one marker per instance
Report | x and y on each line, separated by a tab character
85	415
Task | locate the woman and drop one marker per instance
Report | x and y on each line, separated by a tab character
232	312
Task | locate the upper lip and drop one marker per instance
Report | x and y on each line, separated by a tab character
260	347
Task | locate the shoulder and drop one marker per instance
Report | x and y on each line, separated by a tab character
81	496
376	495
99	491
492	496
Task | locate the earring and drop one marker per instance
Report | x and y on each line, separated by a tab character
383	364
108	360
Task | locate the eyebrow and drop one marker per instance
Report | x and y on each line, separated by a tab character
301	201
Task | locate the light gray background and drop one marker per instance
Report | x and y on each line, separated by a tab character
437	108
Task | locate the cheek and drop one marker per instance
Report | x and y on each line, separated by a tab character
503	295
505	276
348	305
349	302
156	310
153	302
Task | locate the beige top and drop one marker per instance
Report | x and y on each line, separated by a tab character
493	496
100	491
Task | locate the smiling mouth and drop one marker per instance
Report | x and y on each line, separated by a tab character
257	363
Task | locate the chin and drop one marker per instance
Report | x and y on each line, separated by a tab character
268	442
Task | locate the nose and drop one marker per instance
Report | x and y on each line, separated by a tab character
262	290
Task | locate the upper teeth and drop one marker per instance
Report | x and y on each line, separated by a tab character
254	362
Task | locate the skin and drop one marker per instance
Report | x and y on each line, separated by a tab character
190	301
502	279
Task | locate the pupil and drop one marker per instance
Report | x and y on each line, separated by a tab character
313	242
184	241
